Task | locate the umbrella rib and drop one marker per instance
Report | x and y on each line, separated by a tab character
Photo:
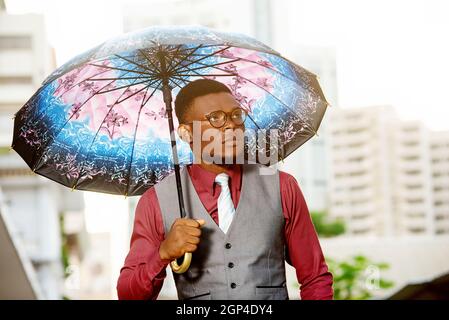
208	75
96	134
173	68
43	112
93	140
135	133
110	58
135	63
207	56
254	121
202	46
130	96
183	80
284	104
211	65
260	64
180	80
149	60
126	86
120	69
82	81
123	78
192	52
171	61
65	123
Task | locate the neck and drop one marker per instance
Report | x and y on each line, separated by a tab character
216	168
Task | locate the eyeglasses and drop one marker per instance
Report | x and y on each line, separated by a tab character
218	119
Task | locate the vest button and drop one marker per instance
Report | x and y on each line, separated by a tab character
230	265
228	246
233	285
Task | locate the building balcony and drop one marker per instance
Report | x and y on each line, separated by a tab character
414	209
411	179
442	224
405	193
415	223
362	225
345	138
411	151
409	165
441	196
26	66
349	167
16	93
355	195
441	212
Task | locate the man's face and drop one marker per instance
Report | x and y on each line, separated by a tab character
224	143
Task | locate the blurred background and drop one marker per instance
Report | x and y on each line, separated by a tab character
376	179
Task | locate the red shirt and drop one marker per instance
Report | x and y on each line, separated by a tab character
144	271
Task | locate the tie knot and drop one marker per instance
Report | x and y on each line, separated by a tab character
222	179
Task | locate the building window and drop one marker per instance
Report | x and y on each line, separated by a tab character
14	80
15	42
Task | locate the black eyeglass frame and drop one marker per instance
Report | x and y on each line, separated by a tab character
209	115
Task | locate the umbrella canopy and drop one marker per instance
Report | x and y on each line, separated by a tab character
99	122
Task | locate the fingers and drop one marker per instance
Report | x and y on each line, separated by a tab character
190	222
193	240
201	222
184	236
190	247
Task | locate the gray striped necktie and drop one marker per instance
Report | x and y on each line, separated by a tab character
225	205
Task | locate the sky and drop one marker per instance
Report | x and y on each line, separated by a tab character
388	52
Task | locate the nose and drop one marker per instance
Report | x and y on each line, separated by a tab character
228	128
229	125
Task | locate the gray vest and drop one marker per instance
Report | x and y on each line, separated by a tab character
247	262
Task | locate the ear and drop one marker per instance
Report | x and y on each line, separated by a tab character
184	133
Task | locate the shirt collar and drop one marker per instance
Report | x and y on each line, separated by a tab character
205	179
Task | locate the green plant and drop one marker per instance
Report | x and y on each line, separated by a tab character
4	150
64	246
357	278
325	227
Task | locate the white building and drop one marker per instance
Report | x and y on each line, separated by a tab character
389	181
411	182
34	202
25	60
359	181
388	177
439	153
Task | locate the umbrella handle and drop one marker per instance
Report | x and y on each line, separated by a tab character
184	265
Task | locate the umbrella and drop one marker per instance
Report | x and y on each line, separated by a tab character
103	121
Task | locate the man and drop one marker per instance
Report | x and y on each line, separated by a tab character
243	225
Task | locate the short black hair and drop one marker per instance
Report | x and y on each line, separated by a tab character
194	89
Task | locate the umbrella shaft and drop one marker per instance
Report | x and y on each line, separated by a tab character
168	107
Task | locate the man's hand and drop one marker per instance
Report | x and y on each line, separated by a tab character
184	236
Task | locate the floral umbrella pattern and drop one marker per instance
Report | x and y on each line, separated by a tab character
99	122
